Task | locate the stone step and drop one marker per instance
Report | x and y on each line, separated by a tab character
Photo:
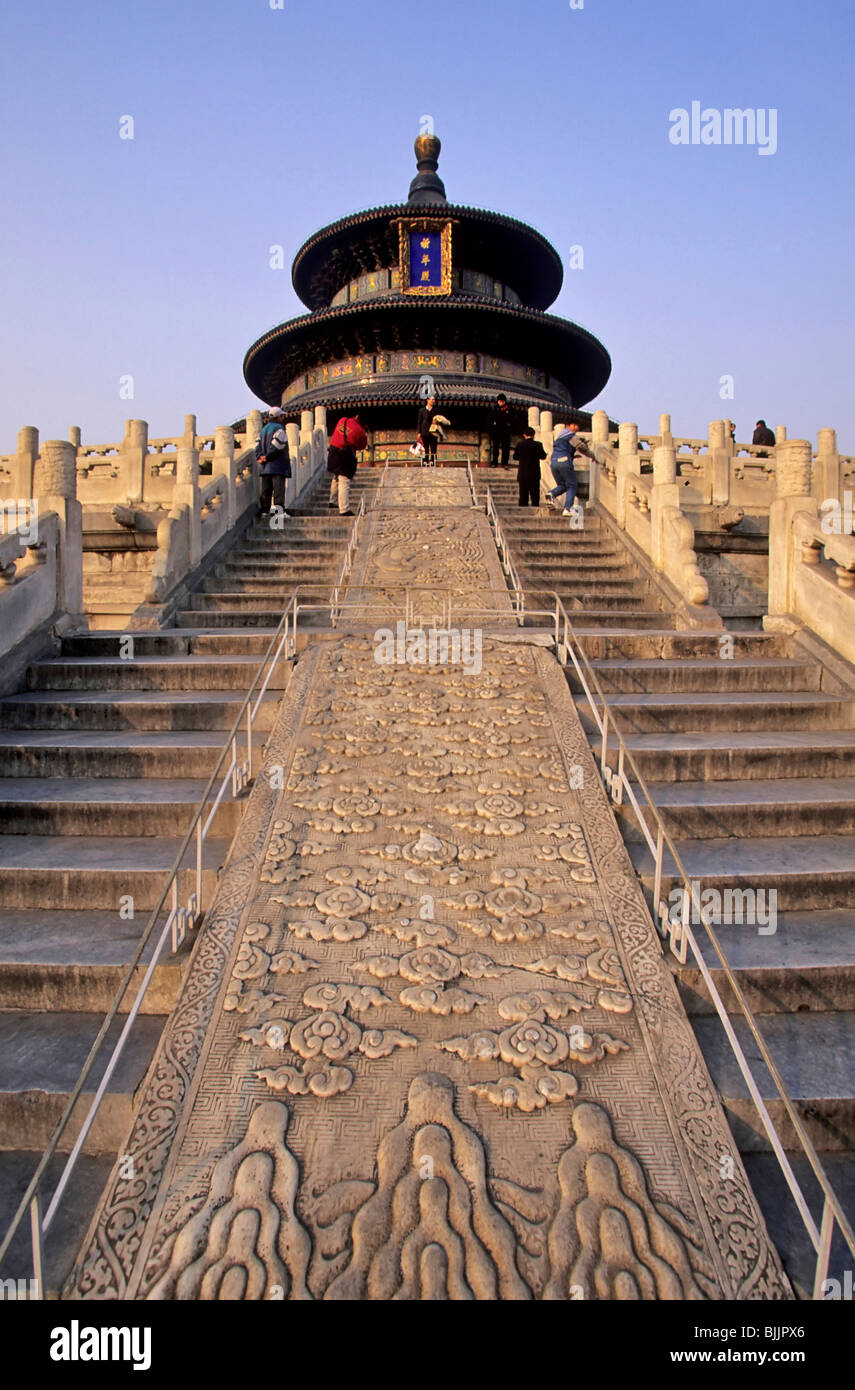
41	1056
667	644
782	806
734	711
702	674
272	589
583	583
807	872
251	566
53	871
78	754
63	961
107	806
170	642
149	710
597	603
813	1052
234	618
785	1225
569	560
620	620
705	757
252	641
789	961
243	604
80	1199
202	671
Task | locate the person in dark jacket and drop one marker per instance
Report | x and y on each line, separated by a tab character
347	437
529	454
271	450
427	437
500	432
763	435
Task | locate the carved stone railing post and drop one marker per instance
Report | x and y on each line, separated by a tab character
717	472
672	534
780	434
23	468
546	435
599	441
189	440
793	495
666	439
74	436
254	422
224	466
827	472
626	464
187	495
320	443
55	490
664	493
133	460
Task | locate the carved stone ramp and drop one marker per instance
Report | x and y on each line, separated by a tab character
428	1046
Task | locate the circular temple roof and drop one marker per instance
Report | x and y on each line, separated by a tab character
488	243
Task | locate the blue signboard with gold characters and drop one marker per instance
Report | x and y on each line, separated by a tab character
425	254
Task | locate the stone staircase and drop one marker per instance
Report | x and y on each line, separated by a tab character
103	759
748	748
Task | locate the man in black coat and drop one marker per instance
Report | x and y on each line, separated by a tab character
529	454
500	431
763	435
428	439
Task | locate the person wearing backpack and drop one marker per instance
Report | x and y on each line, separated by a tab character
346	438
271	450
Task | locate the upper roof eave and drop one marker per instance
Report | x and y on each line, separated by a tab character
535	262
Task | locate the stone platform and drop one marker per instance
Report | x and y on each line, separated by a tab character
428	1046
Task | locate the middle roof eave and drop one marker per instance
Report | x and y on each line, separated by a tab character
525	336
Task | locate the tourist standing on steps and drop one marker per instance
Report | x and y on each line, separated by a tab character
529	454
500	432
271	450
564	445
425	433
347	437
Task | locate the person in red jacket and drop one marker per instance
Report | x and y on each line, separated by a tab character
347	437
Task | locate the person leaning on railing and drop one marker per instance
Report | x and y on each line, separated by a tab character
565	444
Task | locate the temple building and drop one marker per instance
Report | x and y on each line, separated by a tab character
427	294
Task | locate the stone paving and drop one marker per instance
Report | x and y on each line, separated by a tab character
428	1046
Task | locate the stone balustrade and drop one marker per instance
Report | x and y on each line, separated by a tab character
811	546
91	502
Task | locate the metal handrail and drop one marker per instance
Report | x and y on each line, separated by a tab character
618	781
178	922
347	562
505	557
567	643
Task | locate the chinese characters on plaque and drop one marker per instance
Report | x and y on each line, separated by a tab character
425	257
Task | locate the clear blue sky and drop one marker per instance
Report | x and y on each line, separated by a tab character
255	126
